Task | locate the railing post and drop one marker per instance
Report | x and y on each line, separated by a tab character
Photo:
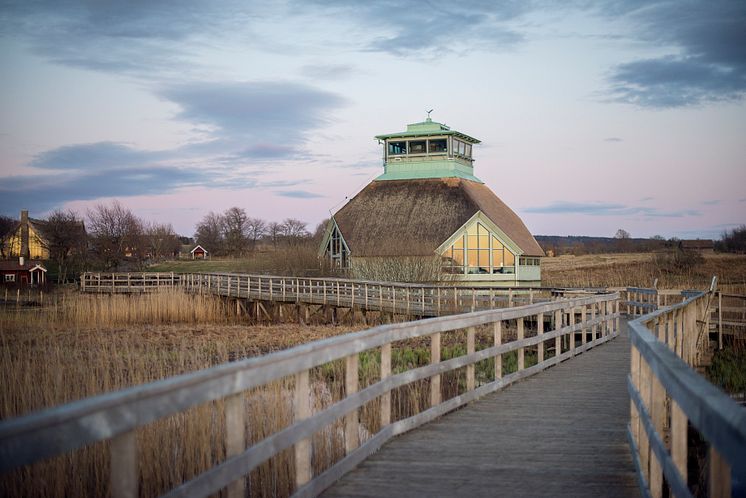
352	434
634	416
584	330
594	327
616	320
718	483
557	326
540	332
571	335
302	409
470	348
644	390
434	359
124	473
720	320
498	334
657	416
521	351
385	372
235	437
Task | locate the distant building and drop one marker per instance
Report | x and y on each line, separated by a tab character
199	252
22	273
703	246
28	239
428	202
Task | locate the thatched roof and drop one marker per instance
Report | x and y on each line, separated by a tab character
414	217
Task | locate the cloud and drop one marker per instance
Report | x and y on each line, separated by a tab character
141	38
268	151
99	155
270	111
707	62
713	202
47	192
613	139
433	28
299	194
328	71
608	209
646	199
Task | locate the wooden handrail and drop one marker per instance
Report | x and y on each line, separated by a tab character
116	415
664	347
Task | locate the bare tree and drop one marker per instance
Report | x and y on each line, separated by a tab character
235	222
318	234
621	234
162	240
67	239
256	228
274	232
209	233
294	230
116	233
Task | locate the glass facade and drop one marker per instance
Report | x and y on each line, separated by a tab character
397	148
478	251
432	146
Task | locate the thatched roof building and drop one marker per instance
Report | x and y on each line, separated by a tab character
428	202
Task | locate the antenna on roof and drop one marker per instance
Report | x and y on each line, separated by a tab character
428	113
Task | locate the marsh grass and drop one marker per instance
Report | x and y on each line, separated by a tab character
47	359
672	270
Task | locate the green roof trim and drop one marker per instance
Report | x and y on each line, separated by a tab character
428	128
433	173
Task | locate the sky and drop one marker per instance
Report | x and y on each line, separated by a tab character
593	116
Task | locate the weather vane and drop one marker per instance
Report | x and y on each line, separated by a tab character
428	113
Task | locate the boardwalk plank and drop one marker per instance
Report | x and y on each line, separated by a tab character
559	433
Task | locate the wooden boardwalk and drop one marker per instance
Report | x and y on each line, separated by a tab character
559	433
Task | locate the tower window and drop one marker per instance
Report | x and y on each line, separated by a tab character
417	147
397	148
438	146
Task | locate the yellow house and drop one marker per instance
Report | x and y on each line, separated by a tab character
27	239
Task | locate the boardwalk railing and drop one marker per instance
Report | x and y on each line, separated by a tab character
730	316
390	297
576	325
667	395
123	283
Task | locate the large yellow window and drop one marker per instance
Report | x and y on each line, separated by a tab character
478	252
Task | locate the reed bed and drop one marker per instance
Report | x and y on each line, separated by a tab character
642	269
47	359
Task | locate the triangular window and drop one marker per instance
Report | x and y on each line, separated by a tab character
337	250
